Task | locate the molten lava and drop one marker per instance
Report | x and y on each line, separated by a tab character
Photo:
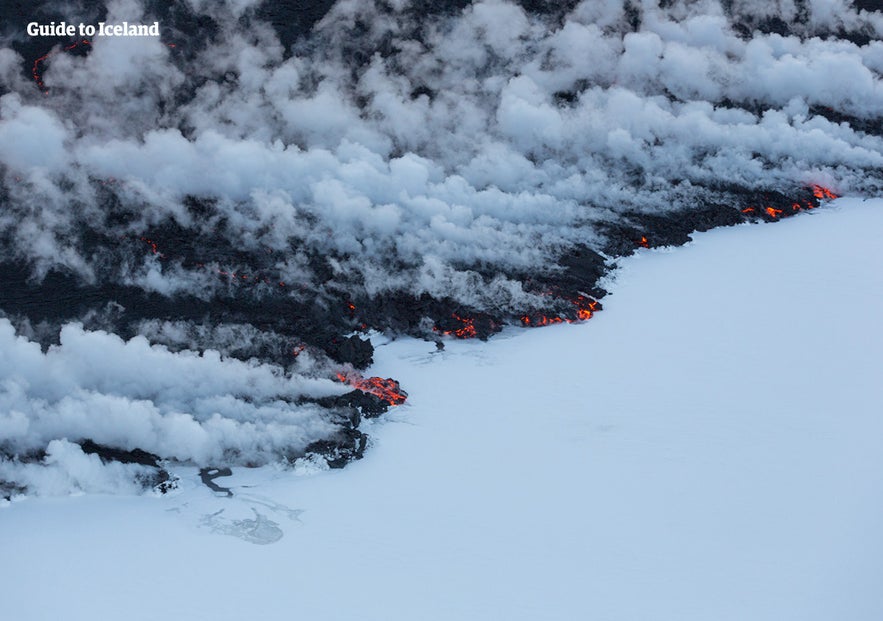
467	329
35	70
153	247
777	208
585	309
540	321
644	243
387	390
822	192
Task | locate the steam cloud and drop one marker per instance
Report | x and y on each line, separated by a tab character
393	148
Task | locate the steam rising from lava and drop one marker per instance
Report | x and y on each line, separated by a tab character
443	158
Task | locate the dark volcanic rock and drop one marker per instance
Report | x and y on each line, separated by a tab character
107	453
160	478
348	446
669	229
675	228
358	402
357	351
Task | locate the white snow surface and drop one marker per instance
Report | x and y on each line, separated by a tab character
707	447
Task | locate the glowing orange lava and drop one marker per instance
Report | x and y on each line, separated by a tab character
35	70
541	321
466	331
387	390
822	192
644	243
773	212
585	310
153	247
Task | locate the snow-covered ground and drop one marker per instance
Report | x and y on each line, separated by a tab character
707	448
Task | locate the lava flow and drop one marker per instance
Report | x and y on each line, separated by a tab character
387	390
466	331
234	277
585	309
778	209
35	70
822	192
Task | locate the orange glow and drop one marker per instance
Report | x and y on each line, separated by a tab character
822	192
541	321
387	390
153	247
585	310
35	70
773	212
748	210
644	243
466	331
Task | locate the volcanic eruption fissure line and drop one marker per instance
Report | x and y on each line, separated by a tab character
37	67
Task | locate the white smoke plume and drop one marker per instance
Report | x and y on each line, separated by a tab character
485	135
196	408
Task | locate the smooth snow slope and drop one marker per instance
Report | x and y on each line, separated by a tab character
708	447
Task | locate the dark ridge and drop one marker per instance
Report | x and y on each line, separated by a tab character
580	269
652	230
674	229
872	126
403	313
108	453
159	479
348	446
60	298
